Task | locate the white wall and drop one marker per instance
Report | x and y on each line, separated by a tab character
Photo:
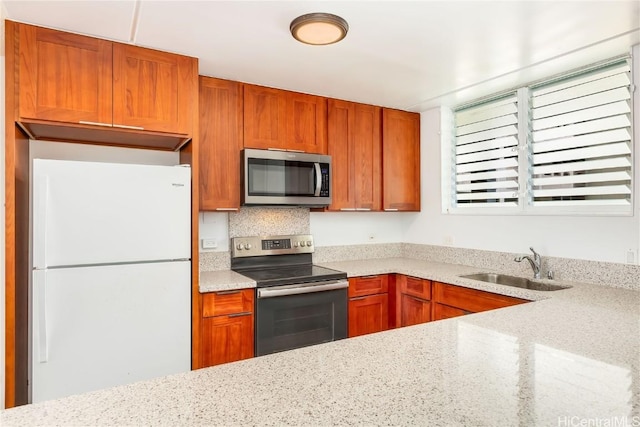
583	237
354	228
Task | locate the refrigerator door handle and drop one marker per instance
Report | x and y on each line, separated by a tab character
41	200
40	314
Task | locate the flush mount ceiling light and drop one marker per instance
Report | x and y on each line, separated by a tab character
319	28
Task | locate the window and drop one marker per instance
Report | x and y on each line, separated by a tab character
559	145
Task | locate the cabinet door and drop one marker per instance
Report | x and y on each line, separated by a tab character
220	144
226	339
339	147
153	90
367	157
64	77
414	310
441	311
401	160
368	314
355	149
265	111
306	123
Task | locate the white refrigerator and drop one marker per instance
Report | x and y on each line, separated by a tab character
111	284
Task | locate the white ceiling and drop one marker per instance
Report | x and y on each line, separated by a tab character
404	54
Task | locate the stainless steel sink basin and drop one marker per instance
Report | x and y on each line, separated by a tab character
517	282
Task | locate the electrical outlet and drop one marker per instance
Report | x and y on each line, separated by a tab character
631	256
209	244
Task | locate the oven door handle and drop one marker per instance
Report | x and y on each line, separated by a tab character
281	291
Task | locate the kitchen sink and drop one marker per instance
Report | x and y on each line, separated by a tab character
517	282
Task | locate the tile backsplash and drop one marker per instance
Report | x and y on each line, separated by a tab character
261	221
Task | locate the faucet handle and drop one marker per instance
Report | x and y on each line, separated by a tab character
535	254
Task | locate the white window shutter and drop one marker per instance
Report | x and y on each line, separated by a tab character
581	137
486	154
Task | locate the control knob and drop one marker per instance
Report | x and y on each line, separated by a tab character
247	246
239	246
309	243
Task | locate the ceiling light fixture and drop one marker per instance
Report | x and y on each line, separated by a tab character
319	28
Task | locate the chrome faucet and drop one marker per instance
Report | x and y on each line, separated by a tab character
535	262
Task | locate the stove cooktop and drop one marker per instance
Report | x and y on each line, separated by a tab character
290	275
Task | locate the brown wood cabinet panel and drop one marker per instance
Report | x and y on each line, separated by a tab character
226	339
153	90
64	77
227	302
419	288
471	300
368	285
414	310
401	160
265	111
441	311
220	122
354	143
368	314
284	120
306	123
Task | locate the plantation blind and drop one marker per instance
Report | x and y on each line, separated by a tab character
486	154
581	139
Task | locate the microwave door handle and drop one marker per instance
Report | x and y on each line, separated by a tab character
318	179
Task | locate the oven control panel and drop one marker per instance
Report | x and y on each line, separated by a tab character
271	245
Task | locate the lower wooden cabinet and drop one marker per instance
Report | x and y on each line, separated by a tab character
414	310
414	295
226	327
368	304
441	311
461	300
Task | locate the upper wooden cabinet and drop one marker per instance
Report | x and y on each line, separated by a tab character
64	77
355	148
153	90
284	120
77	88
220	142
401	160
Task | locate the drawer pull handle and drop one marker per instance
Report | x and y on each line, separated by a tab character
357	298
374	276
363	209
348	209
227	209
390	210
227	292
244	313
84	122
128	127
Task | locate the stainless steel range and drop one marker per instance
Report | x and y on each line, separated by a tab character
298	303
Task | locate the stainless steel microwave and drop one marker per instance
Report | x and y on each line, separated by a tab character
288	178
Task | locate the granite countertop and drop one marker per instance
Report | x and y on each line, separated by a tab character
571	358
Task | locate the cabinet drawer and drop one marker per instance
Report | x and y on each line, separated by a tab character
471	300
441	311
368	285
227	302
419	288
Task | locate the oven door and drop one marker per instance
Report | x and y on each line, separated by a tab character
285	178
293	316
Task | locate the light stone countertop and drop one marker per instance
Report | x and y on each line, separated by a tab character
570	359
223	280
